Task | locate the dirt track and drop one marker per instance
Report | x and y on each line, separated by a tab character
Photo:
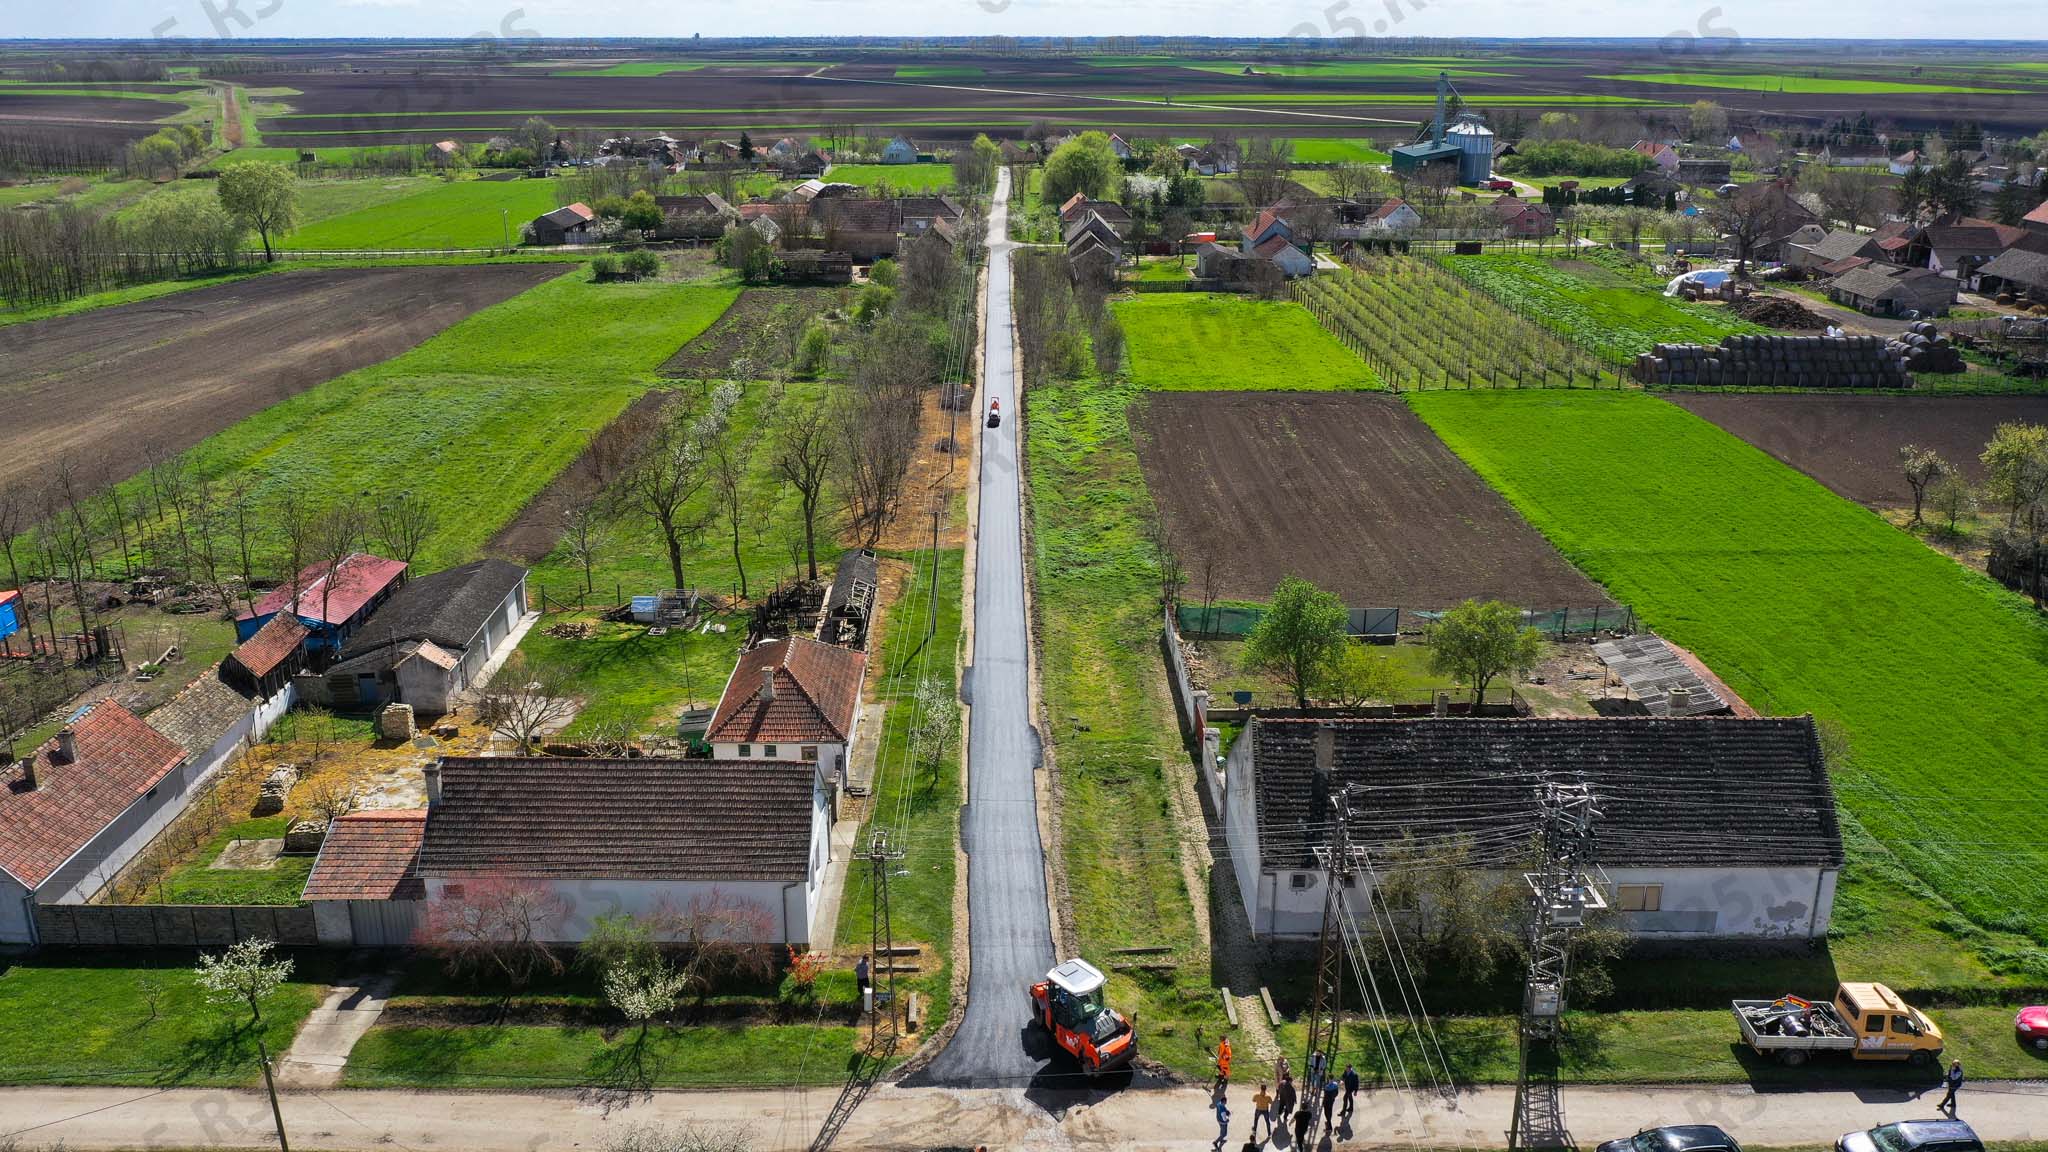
1350	491
104	386
1851	443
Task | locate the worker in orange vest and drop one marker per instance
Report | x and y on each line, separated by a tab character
1223	1061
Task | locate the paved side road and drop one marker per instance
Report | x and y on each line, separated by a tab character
894	1118
1009	931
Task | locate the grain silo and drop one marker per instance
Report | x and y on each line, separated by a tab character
1475	148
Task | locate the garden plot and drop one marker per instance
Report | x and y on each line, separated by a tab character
1193	341
1352	492
1851	443
1612	313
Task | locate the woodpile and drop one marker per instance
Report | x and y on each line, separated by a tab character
1927	350
1776	362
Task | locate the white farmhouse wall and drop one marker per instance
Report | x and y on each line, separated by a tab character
1789	903
787	906
1241	824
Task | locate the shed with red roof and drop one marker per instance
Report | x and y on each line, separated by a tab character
331	603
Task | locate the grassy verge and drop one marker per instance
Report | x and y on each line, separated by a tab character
1111	727
1192	341
91	1018
528	1056
1802	602
917	804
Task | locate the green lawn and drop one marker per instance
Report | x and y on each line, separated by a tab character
939	72
1164	270
1804	85
481	417
459	214
1112	733
1614	313
901	177
919	806
1346	70
1803	602
84	1018
527	1057
200	883
1195	341
92	194
1336	150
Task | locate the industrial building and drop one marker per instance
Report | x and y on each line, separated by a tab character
1466	144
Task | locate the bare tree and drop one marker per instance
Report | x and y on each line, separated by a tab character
1922	467
15	503
294	519
403	523
586	533
337	531
803	458
240	507
1263	172
204	537
730	456
1752	217
497	924
877	420
330	800
671	471
528	699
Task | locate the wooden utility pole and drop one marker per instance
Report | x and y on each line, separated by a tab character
270	1085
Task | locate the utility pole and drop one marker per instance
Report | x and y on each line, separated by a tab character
1326	1002
270	1084
1561	893
881	858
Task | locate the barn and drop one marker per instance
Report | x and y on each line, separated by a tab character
437	637
1678	840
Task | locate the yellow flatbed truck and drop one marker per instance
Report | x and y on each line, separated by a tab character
1867	1021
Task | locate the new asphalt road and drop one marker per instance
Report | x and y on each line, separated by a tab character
1009	932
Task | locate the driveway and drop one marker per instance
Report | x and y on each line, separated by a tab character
1009	933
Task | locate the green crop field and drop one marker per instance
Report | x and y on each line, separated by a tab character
462	214
1337	150
477	419
898	176
1611	312
1348	70
1804	85
1802	602
1196	341
637	68
939	72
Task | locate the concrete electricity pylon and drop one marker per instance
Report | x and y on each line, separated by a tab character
1561	892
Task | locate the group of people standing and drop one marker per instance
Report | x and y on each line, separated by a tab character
1287	1102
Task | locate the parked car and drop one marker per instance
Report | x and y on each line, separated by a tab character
1676	1138
1499	185
2031	1026
1913	1136
995	413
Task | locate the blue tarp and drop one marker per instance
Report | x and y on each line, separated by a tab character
10	615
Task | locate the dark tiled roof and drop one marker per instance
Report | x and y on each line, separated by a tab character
357	580
2018	264
708	204
448	607
646	819
196	718
271	646
119	759
570	216
856	568
370	856
1840	245
1965	240
1688	792
1874	282
817	694
849	214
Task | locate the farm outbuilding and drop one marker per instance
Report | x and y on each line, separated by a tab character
850	601
571	224
1880	290
437	638
332	604
1679	840
365	889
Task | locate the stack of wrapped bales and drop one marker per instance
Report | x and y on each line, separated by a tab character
1776	362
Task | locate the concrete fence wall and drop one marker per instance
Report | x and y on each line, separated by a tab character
172	925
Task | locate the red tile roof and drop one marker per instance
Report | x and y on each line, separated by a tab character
271	646
119	759
817	693
1272	246
1388	207
357	581
370	856
2038	215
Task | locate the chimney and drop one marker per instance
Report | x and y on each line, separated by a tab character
433	773
66	751
1680	700
768	685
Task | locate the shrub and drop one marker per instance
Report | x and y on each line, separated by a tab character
813	350
604	268
883	272
874	301
639	264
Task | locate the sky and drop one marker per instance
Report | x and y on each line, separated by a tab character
208	19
